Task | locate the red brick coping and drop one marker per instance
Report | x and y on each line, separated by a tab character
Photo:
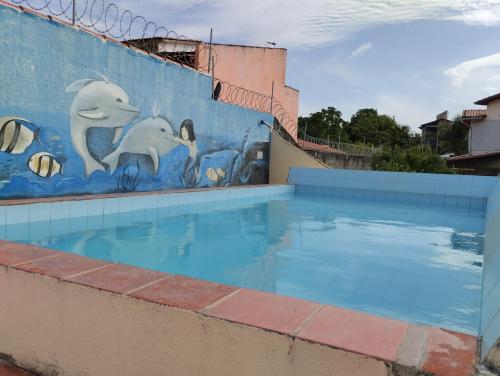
434	350
7	369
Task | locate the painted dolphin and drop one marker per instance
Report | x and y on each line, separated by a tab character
97	104
152	136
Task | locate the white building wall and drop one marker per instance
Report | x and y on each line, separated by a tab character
493	110
484	135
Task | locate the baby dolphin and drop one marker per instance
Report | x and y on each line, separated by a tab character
152	136
15	134
97	104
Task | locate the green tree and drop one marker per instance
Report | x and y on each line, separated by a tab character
368	127
453	137
415	139
414	159
326	123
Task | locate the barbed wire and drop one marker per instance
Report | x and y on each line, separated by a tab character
106	18
229	93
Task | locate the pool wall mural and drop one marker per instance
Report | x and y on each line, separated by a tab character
79	115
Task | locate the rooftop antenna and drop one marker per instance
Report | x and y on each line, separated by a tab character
272	43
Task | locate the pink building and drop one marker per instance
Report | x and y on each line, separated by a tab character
250	67
255	68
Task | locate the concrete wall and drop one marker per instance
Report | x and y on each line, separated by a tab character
490	310
475	187
284	155
108	118
343	161
60	328
255	68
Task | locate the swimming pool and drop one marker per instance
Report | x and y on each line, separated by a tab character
410	262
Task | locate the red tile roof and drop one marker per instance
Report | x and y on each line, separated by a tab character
473	114
307	145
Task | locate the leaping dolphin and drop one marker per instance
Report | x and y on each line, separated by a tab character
97	104
152	136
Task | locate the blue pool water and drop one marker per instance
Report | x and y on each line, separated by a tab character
412	263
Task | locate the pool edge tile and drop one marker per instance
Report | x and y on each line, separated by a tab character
264	310
449	353
183	292
117	278
62	265
12	253
356	331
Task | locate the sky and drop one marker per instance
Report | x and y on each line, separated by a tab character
410	59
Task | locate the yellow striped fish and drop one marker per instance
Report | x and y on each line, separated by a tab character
15	136
44	165
215	174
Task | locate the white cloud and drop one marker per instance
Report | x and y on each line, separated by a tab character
361	50
463	71
296	23
406	110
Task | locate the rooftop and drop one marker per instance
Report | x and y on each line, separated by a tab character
474	156
487	100
311	146
435	123
473	114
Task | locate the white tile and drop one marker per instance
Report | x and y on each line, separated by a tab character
95	207
125	204
111	205
16	214
78	208
2	215
164	201
58	210
39	212
136	202
149	202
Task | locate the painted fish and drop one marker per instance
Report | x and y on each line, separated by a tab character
15	134
44	165
215	174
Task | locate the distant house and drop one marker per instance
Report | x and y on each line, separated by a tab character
484	138
430	130
484	126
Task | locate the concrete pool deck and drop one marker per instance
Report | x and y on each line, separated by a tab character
66	314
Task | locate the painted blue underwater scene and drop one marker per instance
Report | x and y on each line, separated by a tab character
102	119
